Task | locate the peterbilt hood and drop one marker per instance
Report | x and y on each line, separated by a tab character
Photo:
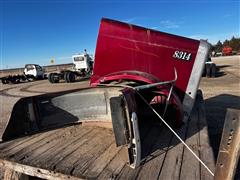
153	55
123	47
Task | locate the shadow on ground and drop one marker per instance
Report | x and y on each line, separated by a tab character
216	108
220	70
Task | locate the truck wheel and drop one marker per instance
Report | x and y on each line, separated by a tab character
4	81
55	78
30	78
208	70
71	77
13	80
214	68
65	76
17	81
204	71
50	76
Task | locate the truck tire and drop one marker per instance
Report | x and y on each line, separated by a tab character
4	81
30	78
214	69
17	80
54	79
65	75
204	71
71	77
208	70
13	80
50	77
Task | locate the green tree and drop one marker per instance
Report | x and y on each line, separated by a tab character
218	47
234	43
226	43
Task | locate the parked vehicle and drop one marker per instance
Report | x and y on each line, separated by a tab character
31	72
82	68
217	54
227	51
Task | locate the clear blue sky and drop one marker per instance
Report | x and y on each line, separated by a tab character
35	31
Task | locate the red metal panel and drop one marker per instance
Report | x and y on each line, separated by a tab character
125	47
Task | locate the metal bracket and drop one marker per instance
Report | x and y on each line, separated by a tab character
229	150
136	143
147	86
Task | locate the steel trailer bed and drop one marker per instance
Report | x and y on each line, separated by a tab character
81	151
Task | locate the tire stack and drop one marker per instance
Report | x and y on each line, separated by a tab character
210	70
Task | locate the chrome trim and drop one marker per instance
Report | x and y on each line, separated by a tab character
136	143
195	77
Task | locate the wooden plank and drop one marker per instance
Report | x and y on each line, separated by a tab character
35	172
152	166
58	147
35	148
89	155
229	150
190	168
34	155
96	167
88	150
8	145
179	163
147	144
11	150
173	158
206	155
117	163
206	151
58	158
16	142
80	169
112	169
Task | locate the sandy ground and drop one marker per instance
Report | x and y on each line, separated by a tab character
219	93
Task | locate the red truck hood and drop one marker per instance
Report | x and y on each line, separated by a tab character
124	48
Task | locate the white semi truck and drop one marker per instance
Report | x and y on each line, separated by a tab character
82	68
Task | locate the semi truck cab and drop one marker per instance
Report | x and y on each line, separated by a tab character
34	70
82	62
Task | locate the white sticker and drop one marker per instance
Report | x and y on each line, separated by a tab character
182	55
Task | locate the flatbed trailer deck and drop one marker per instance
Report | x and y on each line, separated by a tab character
79	152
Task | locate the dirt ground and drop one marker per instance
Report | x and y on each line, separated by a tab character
219	93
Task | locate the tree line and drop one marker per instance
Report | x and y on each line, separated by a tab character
234	43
